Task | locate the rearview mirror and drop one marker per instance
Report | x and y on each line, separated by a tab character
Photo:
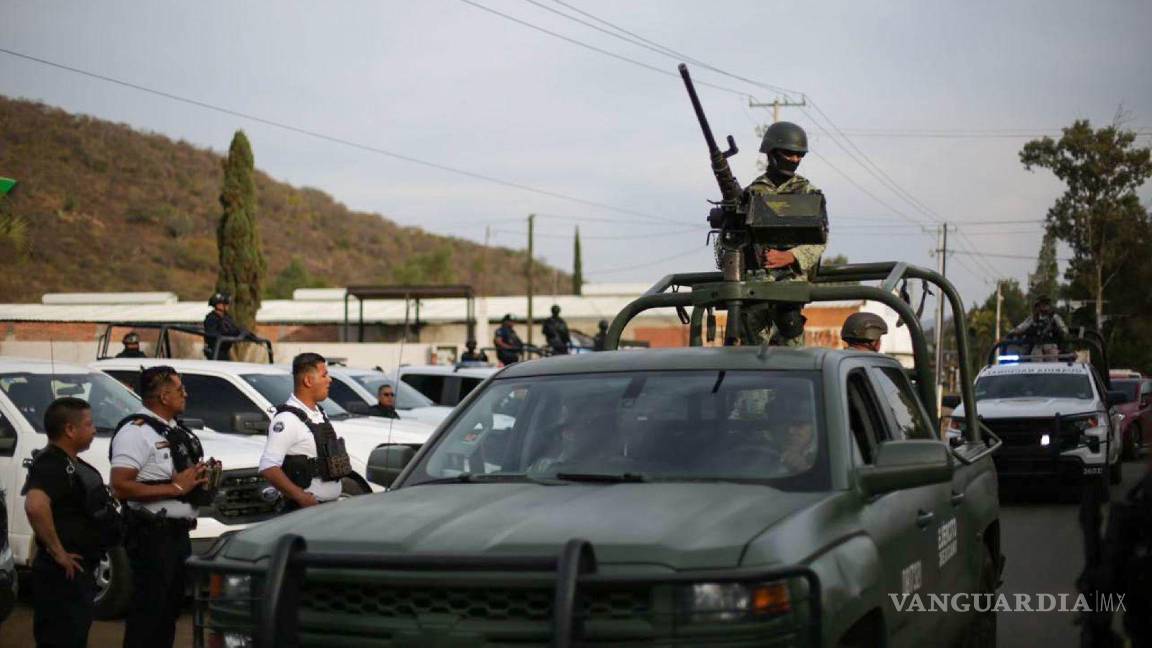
249	423
906	464
387	462
1118	398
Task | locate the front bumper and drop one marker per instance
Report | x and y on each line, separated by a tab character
298	597
1045	448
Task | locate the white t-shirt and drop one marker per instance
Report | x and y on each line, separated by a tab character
140	448
287	435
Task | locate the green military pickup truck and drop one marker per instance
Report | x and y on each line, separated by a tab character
732	496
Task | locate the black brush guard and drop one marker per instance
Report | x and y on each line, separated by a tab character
277	623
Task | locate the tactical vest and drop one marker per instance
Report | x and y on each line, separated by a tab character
331	462
186	451
98	503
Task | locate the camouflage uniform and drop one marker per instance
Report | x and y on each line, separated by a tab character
807	259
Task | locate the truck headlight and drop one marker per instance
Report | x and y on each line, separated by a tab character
1091	431
711	602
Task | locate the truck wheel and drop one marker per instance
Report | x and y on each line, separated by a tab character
982	630
113	585
1115	472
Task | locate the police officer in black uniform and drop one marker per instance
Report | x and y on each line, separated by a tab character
131	343
158	470
75	521
556	332
303	458
471	355
507	342
601	335
218	324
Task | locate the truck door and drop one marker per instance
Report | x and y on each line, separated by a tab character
893	520
937	520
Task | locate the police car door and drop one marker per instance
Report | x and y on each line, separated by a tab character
933	522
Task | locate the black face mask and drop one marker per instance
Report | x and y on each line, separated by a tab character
780	166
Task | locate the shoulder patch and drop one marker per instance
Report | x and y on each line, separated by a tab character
278	426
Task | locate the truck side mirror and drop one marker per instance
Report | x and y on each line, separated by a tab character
387	462
249	423
1118	398
906	464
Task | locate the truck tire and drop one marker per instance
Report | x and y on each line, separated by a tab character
113	585
982	630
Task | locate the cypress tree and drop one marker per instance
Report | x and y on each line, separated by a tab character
1046	279
237	236
577	265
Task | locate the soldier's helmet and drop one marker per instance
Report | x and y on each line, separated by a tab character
555	309
863	327
131	338
786	136
603	325
219	298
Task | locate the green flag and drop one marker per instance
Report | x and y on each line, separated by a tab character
6	185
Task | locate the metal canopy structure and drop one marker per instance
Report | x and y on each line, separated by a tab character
708	290
411	296
164	346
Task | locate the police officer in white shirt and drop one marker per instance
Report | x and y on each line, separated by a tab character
158	470
303	457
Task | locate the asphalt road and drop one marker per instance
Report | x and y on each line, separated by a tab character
1043	547
1041	540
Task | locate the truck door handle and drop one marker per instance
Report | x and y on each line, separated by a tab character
924	517
956	498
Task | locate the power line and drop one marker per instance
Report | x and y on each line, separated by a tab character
604	238
343	142
694	250
1010	256
605	52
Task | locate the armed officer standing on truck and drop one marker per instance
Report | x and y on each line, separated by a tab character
303	458
556	332
785	145
218	324
75	521
1043	329
131	344
158	470
862	332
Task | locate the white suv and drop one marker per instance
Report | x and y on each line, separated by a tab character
26	389
356	389
240	398
1057	420
445	385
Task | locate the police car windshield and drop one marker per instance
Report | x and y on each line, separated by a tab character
31	393
745	426
1034	385
406	396
277	388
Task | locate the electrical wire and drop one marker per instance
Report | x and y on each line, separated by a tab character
695	249
344	142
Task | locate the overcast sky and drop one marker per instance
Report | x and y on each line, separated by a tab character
449	83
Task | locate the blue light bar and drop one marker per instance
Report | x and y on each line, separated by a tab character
1008	358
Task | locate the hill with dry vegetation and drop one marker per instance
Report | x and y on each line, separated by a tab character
101	207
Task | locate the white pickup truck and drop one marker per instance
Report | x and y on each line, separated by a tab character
239	399
27	387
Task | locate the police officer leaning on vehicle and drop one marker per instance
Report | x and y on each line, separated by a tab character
75	521
159	472
303	458
862	332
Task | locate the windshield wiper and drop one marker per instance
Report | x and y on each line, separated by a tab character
469	478
606	478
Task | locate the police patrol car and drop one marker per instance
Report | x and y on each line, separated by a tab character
1057	420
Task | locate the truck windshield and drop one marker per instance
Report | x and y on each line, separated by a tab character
277	388
755	426
32	393
1130	387
406	395
1034	385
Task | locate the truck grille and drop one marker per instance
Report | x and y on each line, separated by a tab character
1026	432
239	500
477	604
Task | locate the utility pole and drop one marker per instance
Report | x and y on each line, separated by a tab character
484	261
528	270
942	253
999	301
776	105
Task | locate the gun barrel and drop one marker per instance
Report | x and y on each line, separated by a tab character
700	116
